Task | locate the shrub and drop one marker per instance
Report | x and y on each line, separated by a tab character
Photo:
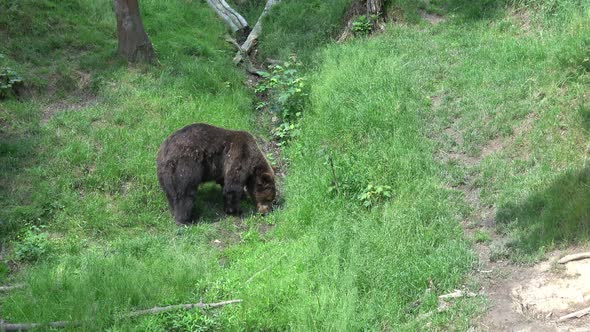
372	195
9	79
286	90
33	245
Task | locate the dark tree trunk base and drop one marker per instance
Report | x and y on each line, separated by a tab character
134	44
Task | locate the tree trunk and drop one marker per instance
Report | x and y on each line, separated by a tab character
134	44
374	7
232	18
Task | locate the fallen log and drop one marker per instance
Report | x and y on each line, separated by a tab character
232	18
254	34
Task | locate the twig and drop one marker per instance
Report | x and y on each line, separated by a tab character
266	268
9	288
5	327
577	314
201	305
456	294
574	257
334	179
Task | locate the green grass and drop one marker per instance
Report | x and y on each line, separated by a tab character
378	107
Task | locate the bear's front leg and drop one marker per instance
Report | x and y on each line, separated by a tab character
232	195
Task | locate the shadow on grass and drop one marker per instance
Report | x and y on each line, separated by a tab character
20	135
559	215
475	9
209	204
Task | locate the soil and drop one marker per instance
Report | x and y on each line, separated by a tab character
521	298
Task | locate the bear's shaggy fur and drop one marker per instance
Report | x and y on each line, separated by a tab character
200	152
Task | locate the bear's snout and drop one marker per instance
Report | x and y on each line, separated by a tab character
263	209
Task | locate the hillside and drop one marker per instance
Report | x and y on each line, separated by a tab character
453	142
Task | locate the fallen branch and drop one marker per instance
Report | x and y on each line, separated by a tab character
577	314
201	305
574	257
456	294
9	288
266	268
254	34
5	327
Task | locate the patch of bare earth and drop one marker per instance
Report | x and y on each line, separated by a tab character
80	99
432	18
521	298
50	109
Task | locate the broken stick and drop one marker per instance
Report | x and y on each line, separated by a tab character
5	327
456	294
9	288
574	257
201	305
577	314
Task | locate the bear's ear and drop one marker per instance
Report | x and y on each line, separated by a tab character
266	179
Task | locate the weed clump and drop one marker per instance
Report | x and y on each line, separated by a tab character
286	89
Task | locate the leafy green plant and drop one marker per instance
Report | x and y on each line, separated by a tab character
287	94
481	236
9	79
285	132
285	87
362	25
372	195
192	321
33	245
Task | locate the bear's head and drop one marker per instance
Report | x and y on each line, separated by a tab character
263	192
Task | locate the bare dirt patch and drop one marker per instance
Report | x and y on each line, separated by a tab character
534	298
521	298
50	109
432	18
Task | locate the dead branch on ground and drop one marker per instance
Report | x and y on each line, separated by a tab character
577	314
232	18
5	327
9	288
201	305
574	257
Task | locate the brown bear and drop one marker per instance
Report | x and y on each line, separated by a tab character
199	153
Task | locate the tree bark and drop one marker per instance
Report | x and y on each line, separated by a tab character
374	7
232	18
134	44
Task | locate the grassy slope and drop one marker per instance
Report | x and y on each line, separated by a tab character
329	263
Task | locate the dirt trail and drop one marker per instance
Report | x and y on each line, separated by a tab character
521	298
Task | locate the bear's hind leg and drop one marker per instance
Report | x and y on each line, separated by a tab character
187	176
182	208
